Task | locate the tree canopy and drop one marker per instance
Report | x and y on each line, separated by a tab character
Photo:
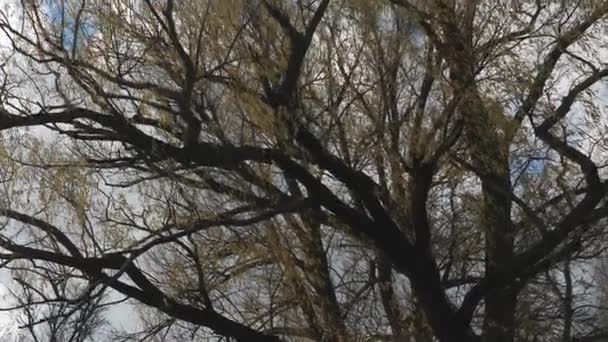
311	170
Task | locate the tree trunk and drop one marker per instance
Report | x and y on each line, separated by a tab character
490	158
500	306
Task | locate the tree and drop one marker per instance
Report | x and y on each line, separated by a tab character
309	170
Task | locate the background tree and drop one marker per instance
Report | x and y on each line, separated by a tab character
308	170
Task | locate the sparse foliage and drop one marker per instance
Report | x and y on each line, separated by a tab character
318	170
